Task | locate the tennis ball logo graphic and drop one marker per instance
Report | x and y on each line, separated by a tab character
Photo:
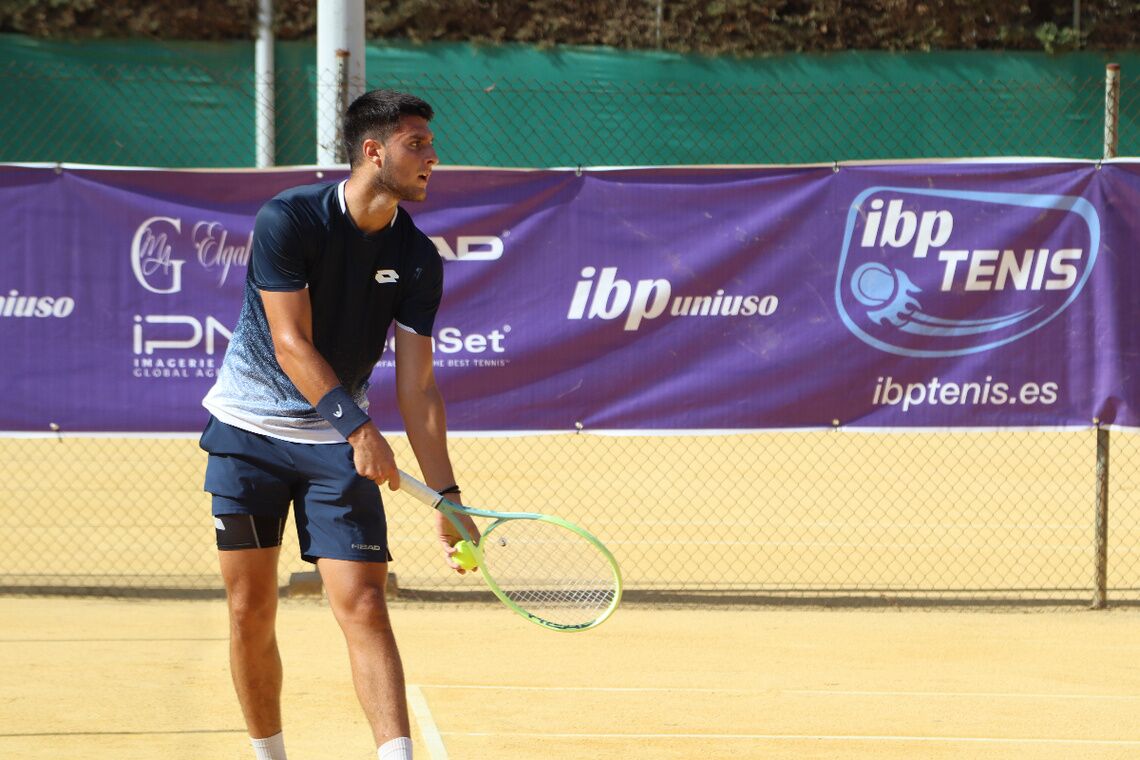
873	284
887	291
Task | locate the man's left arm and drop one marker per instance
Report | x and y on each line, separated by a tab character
421	406
425	421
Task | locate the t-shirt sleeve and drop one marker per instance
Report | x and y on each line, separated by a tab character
420	302
276	262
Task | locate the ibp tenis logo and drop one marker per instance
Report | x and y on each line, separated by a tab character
948	273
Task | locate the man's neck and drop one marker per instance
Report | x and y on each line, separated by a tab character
370	211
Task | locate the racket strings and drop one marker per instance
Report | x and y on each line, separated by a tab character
550	571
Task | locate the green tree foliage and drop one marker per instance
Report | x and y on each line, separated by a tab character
740	27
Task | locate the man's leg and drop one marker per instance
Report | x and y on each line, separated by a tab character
250	477
250	576
356	595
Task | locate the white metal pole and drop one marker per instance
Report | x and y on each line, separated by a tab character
340	71
265	76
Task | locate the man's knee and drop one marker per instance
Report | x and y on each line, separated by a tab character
252	611
367	606
251	591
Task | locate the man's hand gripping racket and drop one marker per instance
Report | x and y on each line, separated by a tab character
546	569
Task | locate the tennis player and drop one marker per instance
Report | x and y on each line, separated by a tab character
332	266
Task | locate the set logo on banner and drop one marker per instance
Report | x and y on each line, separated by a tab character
933	273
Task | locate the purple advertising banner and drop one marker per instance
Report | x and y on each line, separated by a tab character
908	295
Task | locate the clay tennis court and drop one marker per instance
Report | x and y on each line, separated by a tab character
148	679
144	678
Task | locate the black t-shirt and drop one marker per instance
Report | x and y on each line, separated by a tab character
358	285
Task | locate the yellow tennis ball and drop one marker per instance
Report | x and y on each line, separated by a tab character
465	555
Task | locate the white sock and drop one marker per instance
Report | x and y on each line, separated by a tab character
396	749
270	748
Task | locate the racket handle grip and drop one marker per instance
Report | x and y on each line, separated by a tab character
418	490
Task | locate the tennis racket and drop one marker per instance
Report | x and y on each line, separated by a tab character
546	569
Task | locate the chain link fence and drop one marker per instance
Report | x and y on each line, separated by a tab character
189	116
835	515
832	514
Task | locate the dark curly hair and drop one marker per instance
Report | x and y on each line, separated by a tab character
376	114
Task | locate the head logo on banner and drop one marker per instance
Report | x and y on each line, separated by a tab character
929	273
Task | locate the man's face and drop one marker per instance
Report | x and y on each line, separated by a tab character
409	157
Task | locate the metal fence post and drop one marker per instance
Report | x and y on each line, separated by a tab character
265	76
342	63
1111	108
1100	579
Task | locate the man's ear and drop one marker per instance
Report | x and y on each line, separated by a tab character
373	151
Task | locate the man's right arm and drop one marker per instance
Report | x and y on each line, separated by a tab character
290	317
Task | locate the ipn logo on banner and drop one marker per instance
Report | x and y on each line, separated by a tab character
948	273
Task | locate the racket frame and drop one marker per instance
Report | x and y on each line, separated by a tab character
451	510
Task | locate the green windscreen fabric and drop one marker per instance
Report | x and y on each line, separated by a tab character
188	104
133	103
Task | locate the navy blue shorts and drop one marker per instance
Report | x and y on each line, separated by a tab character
339	514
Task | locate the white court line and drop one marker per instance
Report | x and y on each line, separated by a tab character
816	738
962	694
801	692
428	729
1038	741
485	687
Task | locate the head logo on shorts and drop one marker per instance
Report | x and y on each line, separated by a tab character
949	273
